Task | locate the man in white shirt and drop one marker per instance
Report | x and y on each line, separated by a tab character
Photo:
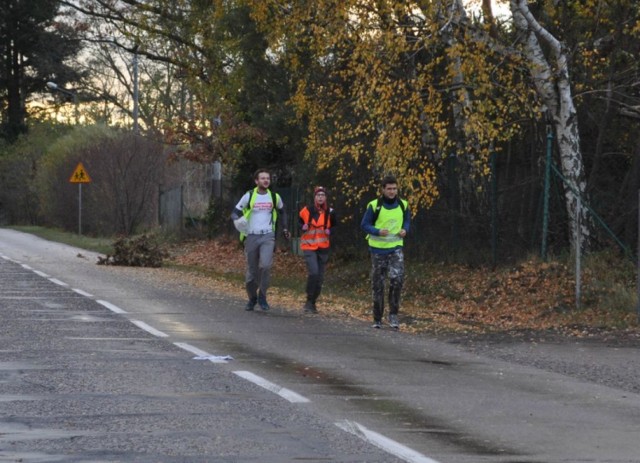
256	216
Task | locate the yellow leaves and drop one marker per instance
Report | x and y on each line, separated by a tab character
388	95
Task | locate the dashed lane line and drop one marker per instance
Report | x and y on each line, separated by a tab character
201	354
283	392
189	348
382	442
82	293
111	307
149	329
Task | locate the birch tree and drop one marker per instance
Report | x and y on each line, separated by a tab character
549	67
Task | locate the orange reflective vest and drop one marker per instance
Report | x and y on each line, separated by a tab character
315	236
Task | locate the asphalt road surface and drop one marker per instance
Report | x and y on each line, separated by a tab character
112	364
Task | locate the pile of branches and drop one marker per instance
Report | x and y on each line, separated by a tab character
139	251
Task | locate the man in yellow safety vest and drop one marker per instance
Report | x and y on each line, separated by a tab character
386	223
255	217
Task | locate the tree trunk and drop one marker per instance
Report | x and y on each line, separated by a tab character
461	105
15	122
551	79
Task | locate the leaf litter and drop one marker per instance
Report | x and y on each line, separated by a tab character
533	296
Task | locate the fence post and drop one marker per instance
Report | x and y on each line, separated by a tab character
638	261
578	250
545	206
494	210
216	179
454	199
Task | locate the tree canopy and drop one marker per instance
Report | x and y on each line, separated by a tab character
397	87
37	45
445	98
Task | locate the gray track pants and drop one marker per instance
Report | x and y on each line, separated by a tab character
316	262
258	249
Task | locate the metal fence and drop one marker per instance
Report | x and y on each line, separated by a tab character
171	210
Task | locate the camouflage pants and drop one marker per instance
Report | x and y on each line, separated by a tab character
383	265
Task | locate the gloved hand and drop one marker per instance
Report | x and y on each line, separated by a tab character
286	233
305	227
327	232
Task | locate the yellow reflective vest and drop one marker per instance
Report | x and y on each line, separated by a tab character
392	220
246	212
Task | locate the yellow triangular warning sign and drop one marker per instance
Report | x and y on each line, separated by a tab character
80	175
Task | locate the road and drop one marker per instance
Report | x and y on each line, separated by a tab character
124	364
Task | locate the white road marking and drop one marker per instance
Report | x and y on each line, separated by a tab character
388	445
285	393
190	348
149	329
111	307
201	353
56	281
82	293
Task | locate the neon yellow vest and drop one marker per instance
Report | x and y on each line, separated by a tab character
253	196
392	220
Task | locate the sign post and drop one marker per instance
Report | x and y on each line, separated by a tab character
80	176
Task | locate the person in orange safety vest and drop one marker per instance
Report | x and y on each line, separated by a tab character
316	221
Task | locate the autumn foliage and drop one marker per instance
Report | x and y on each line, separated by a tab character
396	87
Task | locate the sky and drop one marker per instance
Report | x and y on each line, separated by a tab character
500	7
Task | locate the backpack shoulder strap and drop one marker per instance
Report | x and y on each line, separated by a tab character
376	210
249	199
326	215
402	206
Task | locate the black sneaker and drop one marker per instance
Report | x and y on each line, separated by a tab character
251	304
376	325
262	302
393	321
310	307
